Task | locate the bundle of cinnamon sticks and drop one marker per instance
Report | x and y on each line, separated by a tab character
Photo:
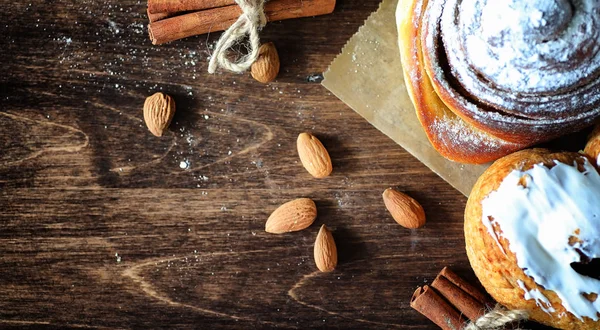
449	300
176	19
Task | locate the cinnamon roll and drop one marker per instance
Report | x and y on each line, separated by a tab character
515	72
532	233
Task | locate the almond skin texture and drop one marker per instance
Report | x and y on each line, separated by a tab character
314	156
404	209
292	216
266	66
159	110
325	250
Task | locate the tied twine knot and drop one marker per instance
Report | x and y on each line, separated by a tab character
249	23
497	318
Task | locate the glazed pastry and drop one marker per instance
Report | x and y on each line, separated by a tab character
592	148
532	232
492	77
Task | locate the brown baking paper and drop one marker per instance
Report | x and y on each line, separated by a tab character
367	76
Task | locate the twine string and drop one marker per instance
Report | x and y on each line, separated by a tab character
497	318
248	24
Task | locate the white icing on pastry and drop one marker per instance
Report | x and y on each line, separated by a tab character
551	219
538	296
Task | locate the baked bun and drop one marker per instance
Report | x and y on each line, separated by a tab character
491	77
592	148
532	232
450	135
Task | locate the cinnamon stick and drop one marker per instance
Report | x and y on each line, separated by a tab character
467	287
158	16
449	296
461	300
427	302
175	6
219	19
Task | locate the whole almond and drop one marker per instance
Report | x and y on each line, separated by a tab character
292	216
266	66
404	209
325	250
314	156
159	110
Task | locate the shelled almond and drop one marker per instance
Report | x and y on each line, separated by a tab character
314	156
325	251
292	216
266	66
404	209
159	110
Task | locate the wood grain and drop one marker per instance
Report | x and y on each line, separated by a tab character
100	227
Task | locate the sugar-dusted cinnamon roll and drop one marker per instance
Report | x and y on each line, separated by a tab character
517	72
532	233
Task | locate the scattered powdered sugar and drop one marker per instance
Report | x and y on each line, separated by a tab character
184	164
114	27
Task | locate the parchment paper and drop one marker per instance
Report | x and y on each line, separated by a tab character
367	75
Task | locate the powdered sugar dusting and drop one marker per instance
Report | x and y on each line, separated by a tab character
525	52
525	100
460	133
531	46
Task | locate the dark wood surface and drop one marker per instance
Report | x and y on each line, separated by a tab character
101	227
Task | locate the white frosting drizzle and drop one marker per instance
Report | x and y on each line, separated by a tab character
538	296
557	205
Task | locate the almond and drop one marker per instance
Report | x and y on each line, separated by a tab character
292	216
159	110
266	66
404	209
325	250
313	155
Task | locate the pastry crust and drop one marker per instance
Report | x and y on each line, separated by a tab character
499	272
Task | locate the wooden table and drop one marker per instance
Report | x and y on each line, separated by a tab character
104	225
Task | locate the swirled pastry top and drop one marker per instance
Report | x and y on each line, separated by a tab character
531	46
521	70
551	219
